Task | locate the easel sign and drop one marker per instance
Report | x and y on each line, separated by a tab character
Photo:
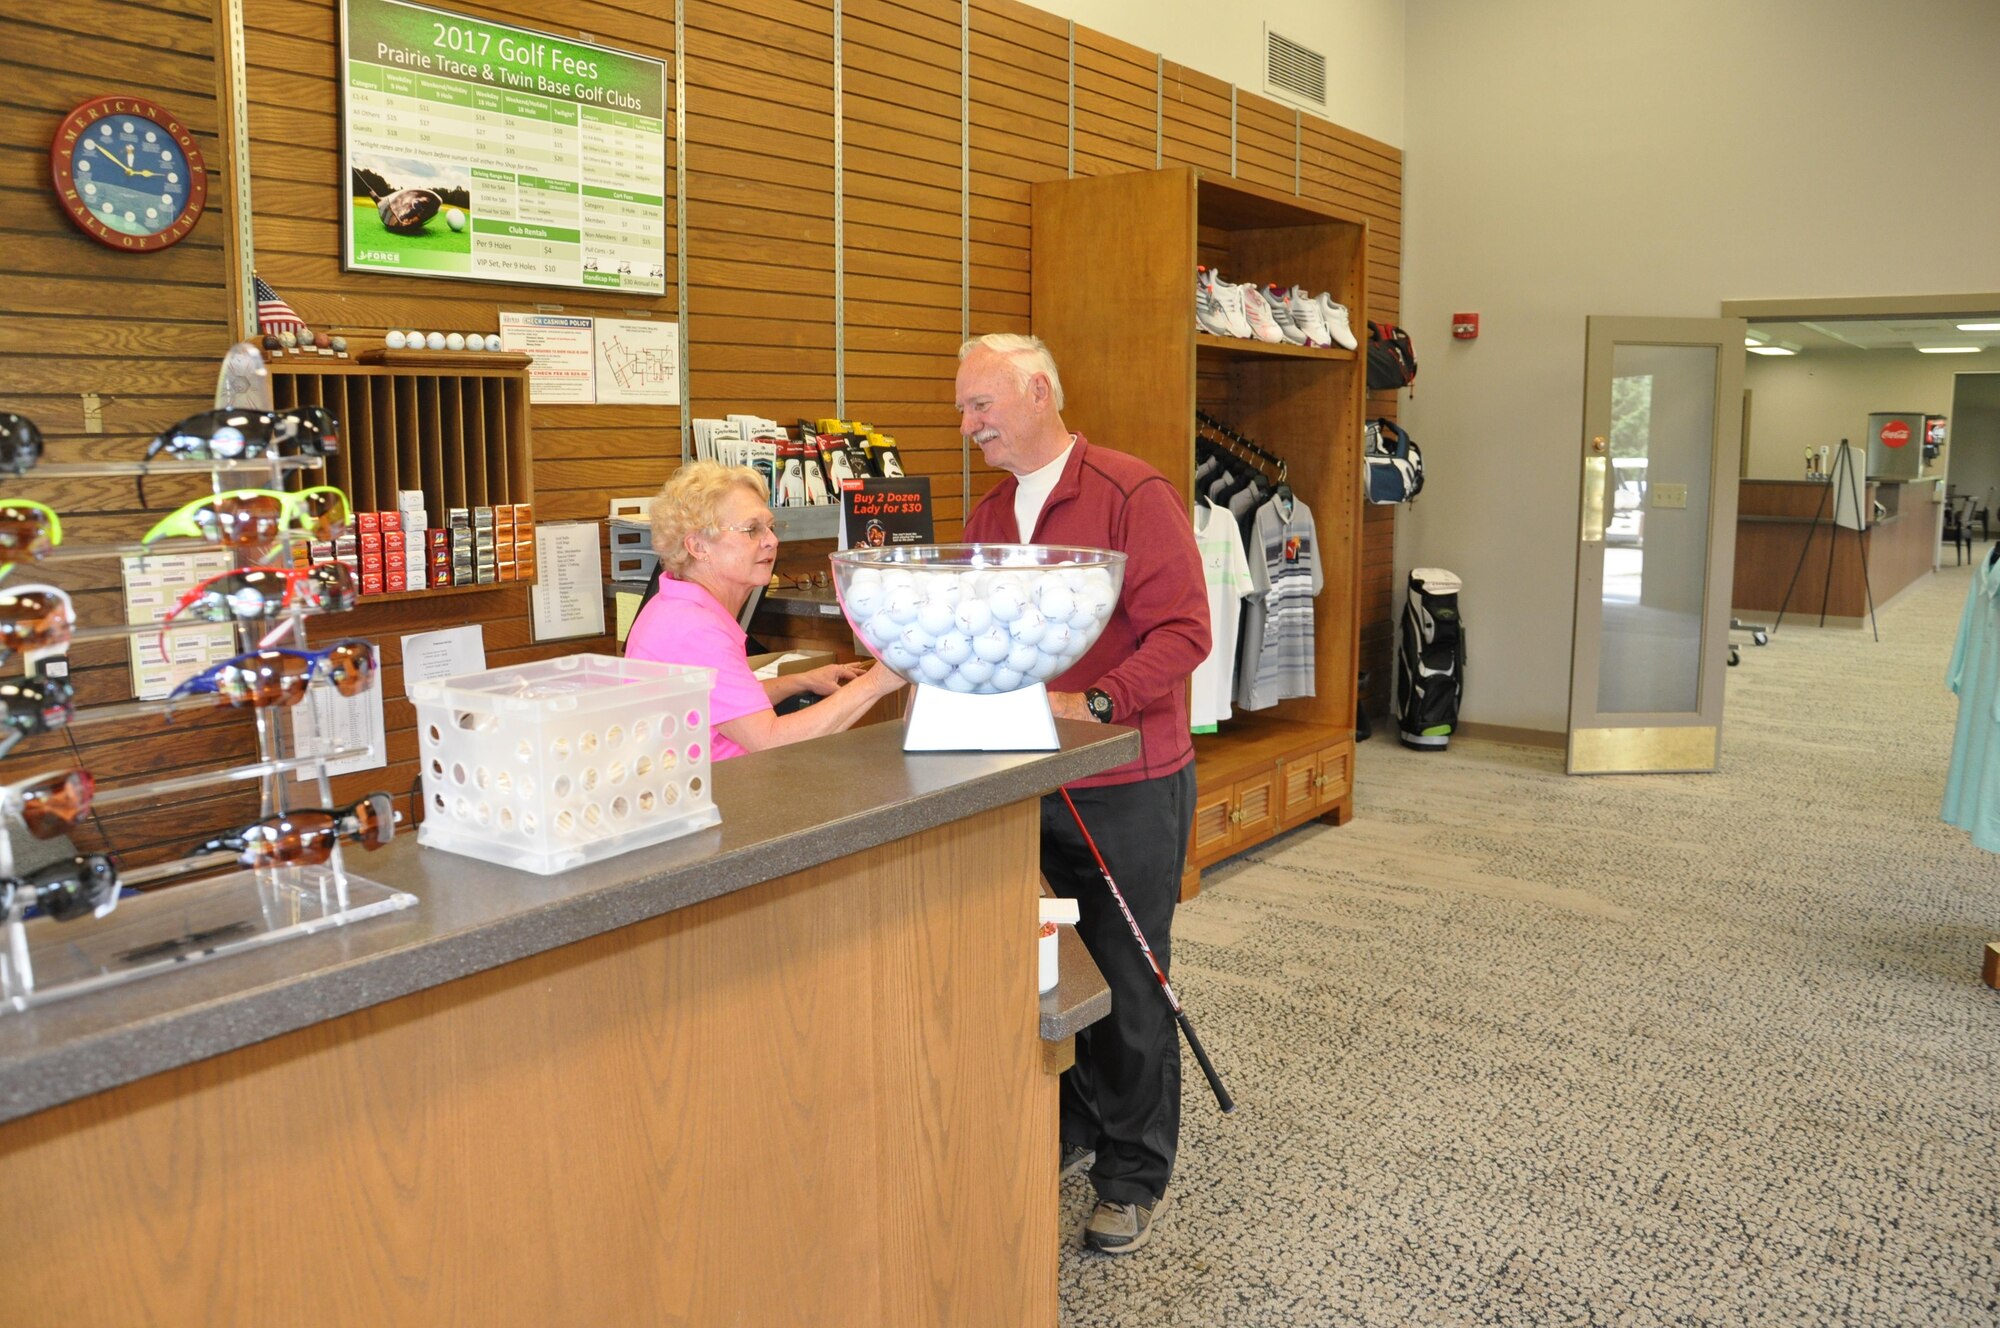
1847	490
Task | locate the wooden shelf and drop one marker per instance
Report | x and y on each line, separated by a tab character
1234	348
437	592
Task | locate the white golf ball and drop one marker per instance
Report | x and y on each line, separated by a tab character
900	603
935	616
1005	600
1028	628
1022	657
454	219
1055	601
954	648
493	341
454	340
1005	679
881	629
973	617
863	599
947	586
1083	620
916	640
899	659
474	341
1045	667
413	339
976	671
898	577
394	340
863	576
434	341
992	644
933	668
1073	577
1055	639
958	682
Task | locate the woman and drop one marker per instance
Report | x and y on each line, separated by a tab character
712	530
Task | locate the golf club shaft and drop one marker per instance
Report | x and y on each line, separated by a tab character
1222	1098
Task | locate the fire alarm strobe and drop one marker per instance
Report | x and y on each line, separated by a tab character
1465	327
1895	433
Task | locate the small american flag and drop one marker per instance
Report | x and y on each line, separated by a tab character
273	314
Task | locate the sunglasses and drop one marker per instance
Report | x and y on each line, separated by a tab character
28	529
34	617
20	443
35	705
52	804
253	518
305	838
65	890
280	677
256	593
231	435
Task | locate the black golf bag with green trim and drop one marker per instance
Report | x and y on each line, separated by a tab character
1430	661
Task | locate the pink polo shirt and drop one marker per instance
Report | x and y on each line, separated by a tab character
683	624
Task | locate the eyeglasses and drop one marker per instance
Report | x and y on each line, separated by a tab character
34	617
65	890
255	518
51	804
256	593
28	529
305	838
20	443
229	435
756	530
281	677
35	705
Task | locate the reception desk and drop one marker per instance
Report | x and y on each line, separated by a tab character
789	1069
1773	521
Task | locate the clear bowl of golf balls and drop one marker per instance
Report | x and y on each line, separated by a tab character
979	618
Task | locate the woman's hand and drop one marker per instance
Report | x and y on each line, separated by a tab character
828	678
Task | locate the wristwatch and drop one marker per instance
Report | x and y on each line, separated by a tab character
1098	702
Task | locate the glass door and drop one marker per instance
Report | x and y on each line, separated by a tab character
1662	435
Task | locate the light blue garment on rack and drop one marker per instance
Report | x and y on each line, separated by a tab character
1972	786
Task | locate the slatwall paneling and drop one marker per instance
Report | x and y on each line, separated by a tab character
143	331
901	108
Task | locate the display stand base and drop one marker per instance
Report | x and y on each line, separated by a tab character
942	721
45	960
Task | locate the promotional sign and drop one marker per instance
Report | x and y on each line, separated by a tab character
875	512
478	150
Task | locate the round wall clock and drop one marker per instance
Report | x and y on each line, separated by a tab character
128	173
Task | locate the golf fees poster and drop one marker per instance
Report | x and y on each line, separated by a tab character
497	153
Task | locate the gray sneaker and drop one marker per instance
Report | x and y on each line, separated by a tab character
1076	1159
1281	314
1120	1228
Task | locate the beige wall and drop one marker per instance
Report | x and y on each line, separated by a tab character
1570	157
1974	438
1361	39
1818	398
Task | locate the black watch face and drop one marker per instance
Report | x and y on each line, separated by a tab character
1100	705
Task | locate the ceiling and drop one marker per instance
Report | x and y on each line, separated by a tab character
1881	333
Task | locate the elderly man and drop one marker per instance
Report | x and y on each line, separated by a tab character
1121	1101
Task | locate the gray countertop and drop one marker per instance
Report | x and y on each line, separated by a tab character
782	811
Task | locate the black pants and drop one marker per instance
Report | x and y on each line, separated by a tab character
1123	1096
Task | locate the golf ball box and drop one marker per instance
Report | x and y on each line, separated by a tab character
981	620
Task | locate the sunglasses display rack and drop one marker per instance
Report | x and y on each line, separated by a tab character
66	929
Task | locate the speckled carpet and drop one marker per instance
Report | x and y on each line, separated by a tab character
1517	1048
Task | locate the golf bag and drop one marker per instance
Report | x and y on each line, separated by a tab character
1430	661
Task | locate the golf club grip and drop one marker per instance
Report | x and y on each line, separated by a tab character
1222	1098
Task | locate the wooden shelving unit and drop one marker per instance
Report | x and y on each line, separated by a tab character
461	433
1113	296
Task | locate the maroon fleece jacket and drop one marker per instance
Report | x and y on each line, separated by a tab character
1159	632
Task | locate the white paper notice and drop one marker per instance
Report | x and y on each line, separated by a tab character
326	721
638	362
436	656
565	369
569	596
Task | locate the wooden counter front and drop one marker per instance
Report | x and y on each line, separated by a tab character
1773	521
821	1100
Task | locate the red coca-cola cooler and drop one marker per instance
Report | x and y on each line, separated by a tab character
1896	445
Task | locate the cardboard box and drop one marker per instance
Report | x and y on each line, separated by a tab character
368	523
807	660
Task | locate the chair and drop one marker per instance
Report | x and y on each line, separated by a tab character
1957	515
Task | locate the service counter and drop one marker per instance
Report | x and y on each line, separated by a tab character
1775	525
791	1068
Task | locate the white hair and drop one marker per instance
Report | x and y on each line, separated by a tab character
1026	355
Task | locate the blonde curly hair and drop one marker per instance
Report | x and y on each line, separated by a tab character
689	503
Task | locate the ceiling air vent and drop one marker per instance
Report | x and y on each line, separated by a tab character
1295	69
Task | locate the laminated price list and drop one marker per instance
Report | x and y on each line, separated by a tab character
480	150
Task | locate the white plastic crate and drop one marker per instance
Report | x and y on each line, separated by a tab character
550	765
